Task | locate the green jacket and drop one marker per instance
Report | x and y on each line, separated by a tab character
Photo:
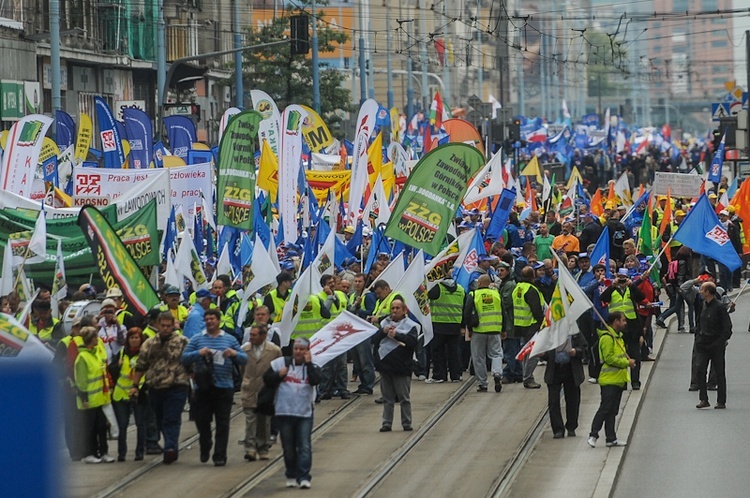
614	359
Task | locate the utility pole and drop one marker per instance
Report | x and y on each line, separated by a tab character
54	43
747	60
316	69
362	69
371	70
389	62
239	91
446	68
161	61
423	54
409	72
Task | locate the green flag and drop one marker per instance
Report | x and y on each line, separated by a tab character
432	195
116	265
236	171
645	241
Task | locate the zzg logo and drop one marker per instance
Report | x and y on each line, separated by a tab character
88	185
108	141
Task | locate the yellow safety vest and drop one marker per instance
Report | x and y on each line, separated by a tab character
310	319
611	375
44	334
90	376
623	303
125	381
487	302
384	308
522	315
180	314
278	305
448	306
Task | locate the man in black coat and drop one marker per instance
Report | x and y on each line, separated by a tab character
565	371
394	348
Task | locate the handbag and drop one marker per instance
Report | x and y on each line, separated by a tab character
266	404
203	373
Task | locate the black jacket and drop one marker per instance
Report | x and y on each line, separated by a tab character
715	325
398	361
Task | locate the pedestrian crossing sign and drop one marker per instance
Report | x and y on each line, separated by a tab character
719	110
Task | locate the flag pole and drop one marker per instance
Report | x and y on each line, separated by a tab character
658	256
23	263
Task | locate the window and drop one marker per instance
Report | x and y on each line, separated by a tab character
719	43
710	5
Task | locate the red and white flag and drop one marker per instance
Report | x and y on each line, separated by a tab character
339	336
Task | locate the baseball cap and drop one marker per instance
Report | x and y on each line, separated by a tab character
724	212
503	264
679	212
622	272
583	255
538	265
76	321
114	292
203	293
487	257
172	290
349	229
712	196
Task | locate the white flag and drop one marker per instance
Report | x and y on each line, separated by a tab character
413	289
7	278
262	273
622	190
394	271
38	242
188	263
307	284
489	181
208	213
384	211
172	276
339	336
59	285
223	266
18	342
274	255
546	189
324	262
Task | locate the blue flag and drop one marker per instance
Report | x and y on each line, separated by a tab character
159	152
702	232
501	214
356	241
600	253
379	244
714	173
170	234
114	156
49	168
181	133
198	233
469	264
140	137
733	187
66	130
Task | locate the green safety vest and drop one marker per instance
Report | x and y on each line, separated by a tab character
44	334
93	381
310	319
278	305
522	316
618	302
448	306
384	307
613	375
489	308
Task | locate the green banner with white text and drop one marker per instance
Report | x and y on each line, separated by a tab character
236	171
432	195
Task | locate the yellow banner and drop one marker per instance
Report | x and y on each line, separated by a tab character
322	181
395	125
268	172
84	138
375	159
316	132
49	149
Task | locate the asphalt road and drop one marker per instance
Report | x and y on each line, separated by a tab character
678	450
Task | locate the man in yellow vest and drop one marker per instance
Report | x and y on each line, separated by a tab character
276	299
623	295
43	325
446	305
484	332
613	378
385	295
334	374
172	304
124	316
528	314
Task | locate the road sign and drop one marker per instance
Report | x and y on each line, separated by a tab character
744	100
735	108
719	110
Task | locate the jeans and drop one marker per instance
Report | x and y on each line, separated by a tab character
364	365
605	415
296	441
74	428
396	389
123	409
676	305
213	402
445	351
167	405
513	370
482	346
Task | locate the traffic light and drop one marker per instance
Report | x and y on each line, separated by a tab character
716	138
300	35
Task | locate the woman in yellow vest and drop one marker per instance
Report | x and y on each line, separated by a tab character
123	404
92	385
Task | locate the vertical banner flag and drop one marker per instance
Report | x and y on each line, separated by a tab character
431	196
116	266
83	141
289	165
600	253
365	126
140	136
114	156
66	129
181	134
714	173
501	214
316	132
270	127
413	289
236	171
21	153
228	114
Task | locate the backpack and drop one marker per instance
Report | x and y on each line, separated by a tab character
267	396
672	271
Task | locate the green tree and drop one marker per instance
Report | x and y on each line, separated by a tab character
289	78
605	58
